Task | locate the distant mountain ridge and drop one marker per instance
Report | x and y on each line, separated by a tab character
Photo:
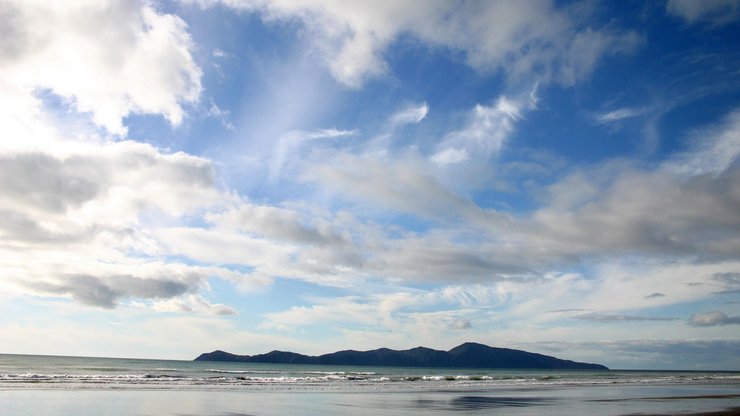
467	355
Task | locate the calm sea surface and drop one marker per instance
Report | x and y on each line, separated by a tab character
44	385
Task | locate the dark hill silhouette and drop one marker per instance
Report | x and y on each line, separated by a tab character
467	355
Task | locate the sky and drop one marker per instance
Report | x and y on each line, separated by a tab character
247	175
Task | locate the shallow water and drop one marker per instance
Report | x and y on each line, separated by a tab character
43	385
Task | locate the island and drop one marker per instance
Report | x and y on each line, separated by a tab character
467	355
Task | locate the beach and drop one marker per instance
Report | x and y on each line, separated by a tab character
42	385
728	412
218	402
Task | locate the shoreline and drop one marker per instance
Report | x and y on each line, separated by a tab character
572	401
731	411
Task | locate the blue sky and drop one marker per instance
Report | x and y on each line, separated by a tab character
184	176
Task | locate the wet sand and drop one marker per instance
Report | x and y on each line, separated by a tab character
732	411
735	411
571	400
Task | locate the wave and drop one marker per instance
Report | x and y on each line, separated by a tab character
340	373
339	379
174	370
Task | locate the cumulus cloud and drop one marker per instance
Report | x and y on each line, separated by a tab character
77	216
106	284
696	193
105	276
701	219
523	39
48	183
140	62
94	199
92	290
715	12
713	318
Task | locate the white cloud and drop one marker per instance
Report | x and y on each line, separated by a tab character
716	12
221	246
616	198
94	280
714	150
610	318
460	324
107	184
77	218
713	318
100	221
587	47
407	186
697	219
618	114
394	311
272	242
193	303
106	291
484	135
279	224
441	259
139	62
290	144
690	191
623	287
410	115
345	310
221	115
220	53
450	156
524	38
58	329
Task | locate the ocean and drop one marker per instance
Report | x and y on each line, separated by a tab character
51	385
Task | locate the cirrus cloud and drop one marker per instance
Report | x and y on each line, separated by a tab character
522	39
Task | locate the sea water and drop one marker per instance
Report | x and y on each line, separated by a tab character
47	385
